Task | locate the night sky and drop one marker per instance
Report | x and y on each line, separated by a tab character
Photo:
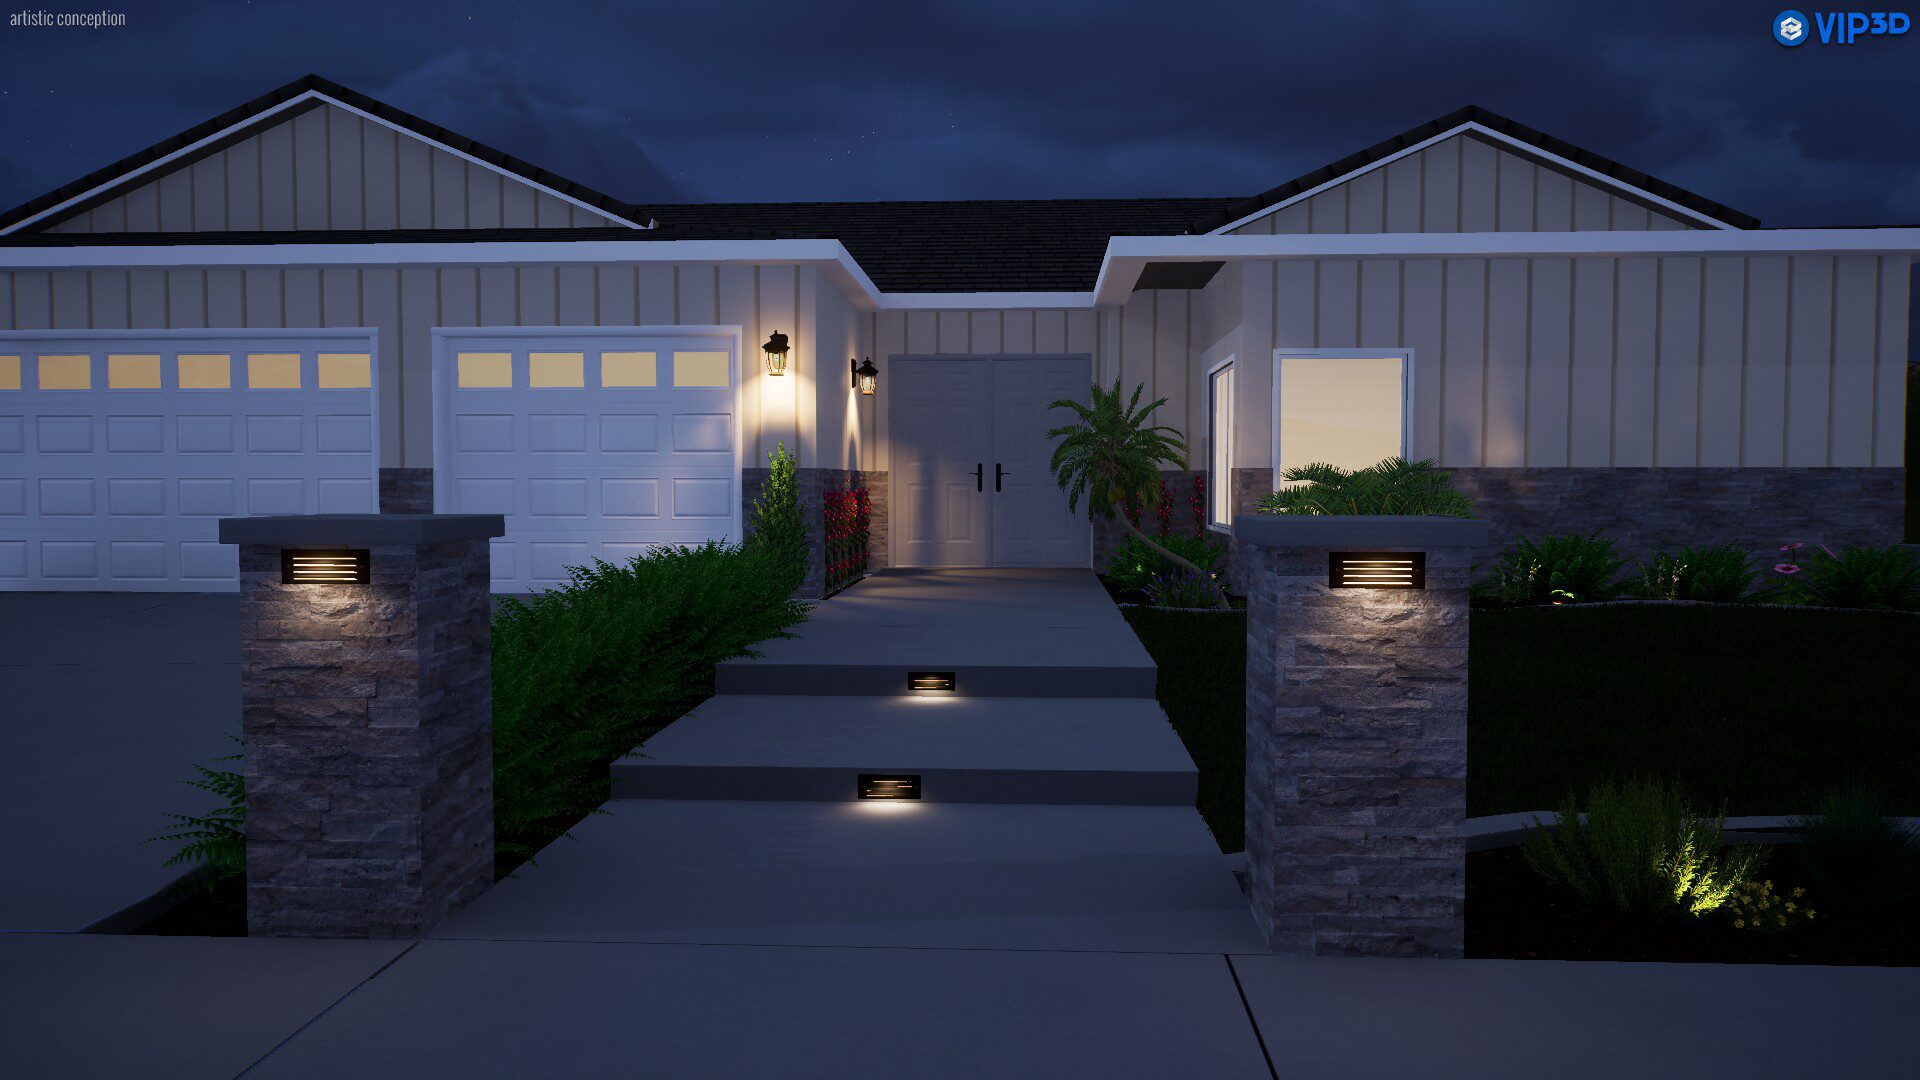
700	101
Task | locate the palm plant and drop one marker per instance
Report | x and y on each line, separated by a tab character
1112	456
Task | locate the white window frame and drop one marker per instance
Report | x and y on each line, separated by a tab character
1221	487
1406	391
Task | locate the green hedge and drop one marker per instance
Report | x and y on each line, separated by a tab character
585	672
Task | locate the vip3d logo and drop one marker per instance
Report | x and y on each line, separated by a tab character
1791	27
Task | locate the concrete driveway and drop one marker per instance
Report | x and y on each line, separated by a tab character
106	702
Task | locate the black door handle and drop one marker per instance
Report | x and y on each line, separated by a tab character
979	477
997	474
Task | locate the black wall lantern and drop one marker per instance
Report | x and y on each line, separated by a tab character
348	567
776	350
864	376
1376	570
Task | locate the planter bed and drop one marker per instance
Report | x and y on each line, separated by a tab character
1512	914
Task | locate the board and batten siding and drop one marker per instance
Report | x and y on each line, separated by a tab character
405	304
1462	184
1151	341
1606	361
328	168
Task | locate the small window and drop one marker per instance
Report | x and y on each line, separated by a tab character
628	369
133	372
1220	449
9	373
206	371
66	372
345	371
273	371
556	369
485	370
699	369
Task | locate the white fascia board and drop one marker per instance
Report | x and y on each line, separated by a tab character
962	301
1127	255
1598	178
127	178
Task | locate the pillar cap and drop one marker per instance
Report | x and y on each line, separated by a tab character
1359	531
364	530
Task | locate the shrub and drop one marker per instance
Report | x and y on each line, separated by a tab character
1857	577
1756	906
1393	486
1557	568
217	839
584	672
1722	575
1181	590
1133	565
1640	851
1859	860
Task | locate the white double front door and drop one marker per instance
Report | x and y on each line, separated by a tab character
971	485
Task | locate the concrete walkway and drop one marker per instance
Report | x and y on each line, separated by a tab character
107	700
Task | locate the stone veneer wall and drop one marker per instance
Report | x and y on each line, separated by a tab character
1356	755
368	713
406	491
1645	509
813	484
1108	535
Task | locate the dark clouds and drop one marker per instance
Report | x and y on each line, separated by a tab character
1041	98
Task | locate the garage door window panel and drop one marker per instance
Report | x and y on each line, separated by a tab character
205	371
133	371
66	371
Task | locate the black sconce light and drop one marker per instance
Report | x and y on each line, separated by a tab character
889	786
864	376
324	567
776	350
1376	570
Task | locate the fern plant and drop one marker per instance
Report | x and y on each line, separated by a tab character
1392	486
1553	569
217	839
1111	456
1856	577
1722	575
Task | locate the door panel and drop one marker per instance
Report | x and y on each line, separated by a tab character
953	415
940	429
1031	523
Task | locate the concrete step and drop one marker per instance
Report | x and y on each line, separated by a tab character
930	875
1120	680
1112	751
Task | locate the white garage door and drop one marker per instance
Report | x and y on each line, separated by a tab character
120	451
593	443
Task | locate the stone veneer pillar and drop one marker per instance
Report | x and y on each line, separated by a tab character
367	713
1356	737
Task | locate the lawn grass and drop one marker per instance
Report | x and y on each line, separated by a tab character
1756	709
1203	661
1759	709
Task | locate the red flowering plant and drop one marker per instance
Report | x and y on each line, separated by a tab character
1198	500
849	519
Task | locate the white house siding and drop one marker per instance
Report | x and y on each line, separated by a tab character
1462	184
404	305
328	168
1601	361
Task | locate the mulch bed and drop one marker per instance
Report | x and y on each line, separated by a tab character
1512	915
219	912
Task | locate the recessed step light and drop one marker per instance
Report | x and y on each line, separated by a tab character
930	681
890	785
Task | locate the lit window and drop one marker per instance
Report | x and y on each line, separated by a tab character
1342	410
9	373
66	372
556	369
206	371
485	370
1220	449
345	371
273	371
133	372
628	369
699	369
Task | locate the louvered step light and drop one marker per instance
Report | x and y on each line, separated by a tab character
350	567
1377	570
